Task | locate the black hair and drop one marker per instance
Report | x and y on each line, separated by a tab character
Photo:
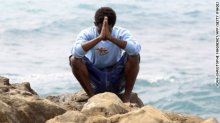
105	11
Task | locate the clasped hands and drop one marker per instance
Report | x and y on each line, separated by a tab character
105	31
105	34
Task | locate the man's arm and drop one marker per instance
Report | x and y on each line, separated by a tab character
105	34
130	46
90	44
120	43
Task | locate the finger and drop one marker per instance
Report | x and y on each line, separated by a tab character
106	22
106	25
106	17
103	24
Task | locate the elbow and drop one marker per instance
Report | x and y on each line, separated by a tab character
78	51
132	49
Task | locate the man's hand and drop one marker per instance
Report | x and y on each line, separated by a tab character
105	32
107	29
104	35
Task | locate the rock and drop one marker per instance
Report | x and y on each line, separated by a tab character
146	114
97	108
69	117
98	119
20	105
210	120
106	104
73	101
4	89
17	110
4	81
108	108
4	85
184	118
24	86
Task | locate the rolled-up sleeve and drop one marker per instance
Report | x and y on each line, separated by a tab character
77	50
132	47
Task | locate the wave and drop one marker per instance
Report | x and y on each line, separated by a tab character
191	98
51	28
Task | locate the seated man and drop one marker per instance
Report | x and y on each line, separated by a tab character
105	57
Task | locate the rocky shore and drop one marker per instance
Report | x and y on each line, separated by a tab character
21	104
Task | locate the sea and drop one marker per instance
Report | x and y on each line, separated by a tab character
178	56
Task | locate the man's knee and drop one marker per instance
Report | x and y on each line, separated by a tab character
134	59
75	62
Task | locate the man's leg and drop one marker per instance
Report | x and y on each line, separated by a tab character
130	73
80	71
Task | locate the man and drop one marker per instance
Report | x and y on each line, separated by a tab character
105	57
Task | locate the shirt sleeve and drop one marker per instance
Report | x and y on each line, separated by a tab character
132	47
77	50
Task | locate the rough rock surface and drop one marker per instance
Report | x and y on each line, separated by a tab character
101	105
108	108
75	101
69	117
21	104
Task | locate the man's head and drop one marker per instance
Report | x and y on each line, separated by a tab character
101	13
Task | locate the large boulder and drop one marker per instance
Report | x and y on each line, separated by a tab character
20	104
106	104
183	118
24	86
76	101
71	101
4	81
69	117
108	108
146	114
210	120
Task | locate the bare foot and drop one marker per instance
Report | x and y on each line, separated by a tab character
125	99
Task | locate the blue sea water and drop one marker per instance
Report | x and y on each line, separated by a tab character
177	37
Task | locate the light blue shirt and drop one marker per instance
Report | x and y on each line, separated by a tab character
105	53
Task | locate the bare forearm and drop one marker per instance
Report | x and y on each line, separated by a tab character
120	43
90	44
